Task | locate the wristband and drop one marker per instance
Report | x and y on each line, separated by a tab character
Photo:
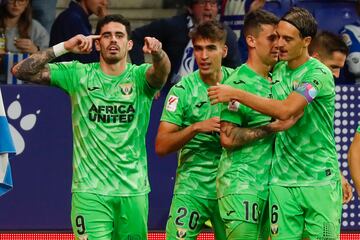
59	49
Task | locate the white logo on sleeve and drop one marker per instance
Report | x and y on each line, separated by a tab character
172	103
233	106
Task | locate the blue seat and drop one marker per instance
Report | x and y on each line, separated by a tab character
278	7
330	15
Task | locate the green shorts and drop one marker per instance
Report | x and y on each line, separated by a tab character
315	211
188	215
101	217
245	216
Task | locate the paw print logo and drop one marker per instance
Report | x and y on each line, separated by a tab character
27	122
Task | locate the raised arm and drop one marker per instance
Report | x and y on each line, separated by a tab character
171	138
286	109
354	161
35	69
158	73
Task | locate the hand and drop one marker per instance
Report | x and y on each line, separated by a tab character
209	125
25	45
102	11
346	189
80	44
221	93
256	4
282	125
152	46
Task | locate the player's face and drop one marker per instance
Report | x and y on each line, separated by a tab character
204	10
266	44
96	7
113	43
208	55
335	62
291	45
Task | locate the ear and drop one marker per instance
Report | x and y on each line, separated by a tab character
225	51
307	41
250	41
97	45
130	45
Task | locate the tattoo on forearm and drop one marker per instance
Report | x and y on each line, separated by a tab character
33	68
240	136
158	56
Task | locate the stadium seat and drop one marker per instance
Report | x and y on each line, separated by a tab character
330	15
278	7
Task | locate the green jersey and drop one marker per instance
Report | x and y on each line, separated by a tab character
186	104
358	129
110	116
246	170
305	154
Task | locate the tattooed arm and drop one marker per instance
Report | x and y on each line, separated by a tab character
160	69
232	136
35	69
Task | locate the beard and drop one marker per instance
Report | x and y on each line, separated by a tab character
111	59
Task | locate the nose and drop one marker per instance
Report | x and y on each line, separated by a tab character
204	54
336	72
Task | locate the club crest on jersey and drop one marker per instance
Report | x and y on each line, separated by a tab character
234	106
295	84
126	88
181	233
172	102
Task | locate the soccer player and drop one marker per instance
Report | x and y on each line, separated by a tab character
332	51
191	125
244	168
329	49
305	188
354	160
111	102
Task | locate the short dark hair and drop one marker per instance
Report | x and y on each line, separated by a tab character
114	18
326	43
254	20
303	20
213	30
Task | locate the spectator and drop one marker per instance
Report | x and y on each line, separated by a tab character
44	13
352	39
75	20
232	14
23	34
173	33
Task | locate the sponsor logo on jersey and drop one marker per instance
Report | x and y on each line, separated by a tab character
355	60
93	88
200	104
180	233
180	86
230	212
123	113
234	106
274	229
83	237
172	102
126	88
239	82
